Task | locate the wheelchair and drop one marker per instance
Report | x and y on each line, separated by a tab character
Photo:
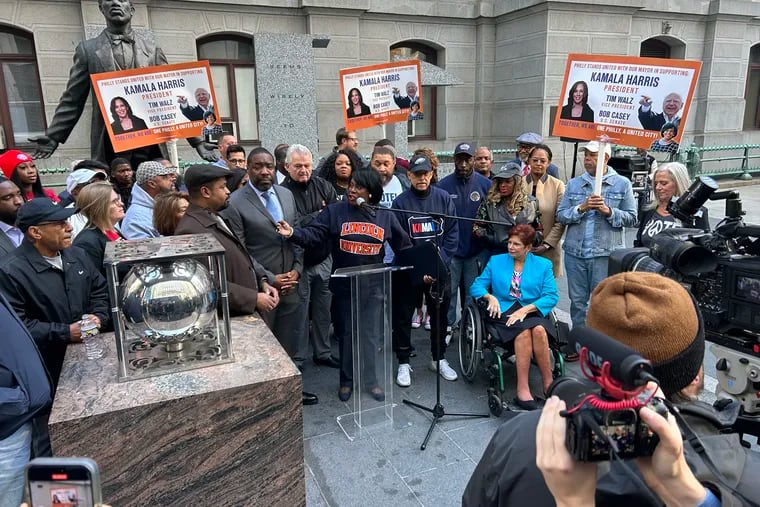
475	348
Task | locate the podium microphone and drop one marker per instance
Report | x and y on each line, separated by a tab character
626	365
363	204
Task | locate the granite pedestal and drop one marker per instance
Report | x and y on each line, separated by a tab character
230	434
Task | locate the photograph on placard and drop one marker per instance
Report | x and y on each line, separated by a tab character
629	99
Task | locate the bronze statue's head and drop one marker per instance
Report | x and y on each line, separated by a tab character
117	12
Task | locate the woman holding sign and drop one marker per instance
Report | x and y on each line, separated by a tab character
123	119
356	105
577	104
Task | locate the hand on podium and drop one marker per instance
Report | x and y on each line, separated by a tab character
45	146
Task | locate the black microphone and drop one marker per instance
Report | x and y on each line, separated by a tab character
363	204
626	365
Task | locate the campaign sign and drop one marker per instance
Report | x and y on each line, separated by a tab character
380	94
152	105
628	99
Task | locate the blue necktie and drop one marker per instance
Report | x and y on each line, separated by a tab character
272	206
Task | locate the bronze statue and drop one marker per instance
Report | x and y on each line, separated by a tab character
116	48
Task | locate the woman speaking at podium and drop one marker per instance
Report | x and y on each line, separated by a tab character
356	233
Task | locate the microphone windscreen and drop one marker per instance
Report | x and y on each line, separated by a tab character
625	363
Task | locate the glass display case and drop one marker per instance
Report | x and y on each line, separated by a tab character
169	304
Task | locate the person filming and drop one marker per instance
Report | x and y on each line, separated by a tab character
656	317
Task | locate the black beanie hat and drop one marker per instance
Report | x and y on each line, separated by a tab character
655	316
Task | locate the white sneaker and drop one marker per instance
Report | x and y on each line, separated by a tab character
447	372
403	378
416	320
449	333
427	322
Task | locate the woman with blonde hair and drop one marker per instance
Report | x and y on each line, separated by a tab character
168	209
103	209
508	203
669	180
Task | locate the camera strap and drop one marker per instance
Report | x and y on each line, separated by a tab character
696	443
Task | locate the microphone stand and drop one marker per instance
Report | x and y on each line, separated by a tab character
438	411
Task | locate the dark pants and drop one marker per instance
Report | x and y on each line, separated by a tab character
369	327
405	300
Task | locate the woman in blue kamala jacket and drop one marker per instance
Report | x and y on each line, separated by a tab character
520	290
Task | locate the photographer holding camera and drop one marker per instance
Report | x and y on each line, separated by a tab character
657	317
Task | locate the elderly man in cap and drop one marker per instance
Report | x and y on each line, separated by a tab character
152	178
467	189
51	286
420	201
525	143
656	317
594	226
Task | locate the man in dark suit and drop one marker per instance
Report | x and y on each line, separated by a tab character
10	202
671	106
193	113
247	282
253	214
116	48
411	96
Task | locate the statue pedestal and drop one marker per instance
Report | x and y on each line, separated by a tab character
229	434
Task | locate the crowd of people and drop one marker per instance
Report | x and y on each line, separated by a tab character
287	224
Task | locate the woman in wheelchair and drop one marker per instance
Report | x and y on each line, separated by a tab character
522	294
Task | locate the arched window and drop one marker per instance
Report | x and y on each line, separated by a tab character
655	48
410	50
663	46
234	73
21	109
752	91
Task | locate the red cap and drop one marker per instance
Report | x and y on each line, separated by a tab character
11	159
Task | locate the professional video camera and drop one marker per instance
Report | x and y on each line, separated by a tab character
603	411
722	270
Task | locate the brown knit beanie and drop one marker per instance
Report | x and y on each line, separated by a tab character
655	316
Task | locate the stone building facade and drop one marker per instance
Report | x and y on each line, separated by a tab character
509	54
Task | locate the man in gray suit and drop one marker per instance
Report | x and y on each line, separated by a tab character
10	202
253	214
116	48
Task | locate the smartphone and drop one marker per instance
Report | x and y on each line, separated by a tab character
63	482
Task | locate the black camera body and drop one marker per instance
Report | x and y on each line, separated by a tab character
632	437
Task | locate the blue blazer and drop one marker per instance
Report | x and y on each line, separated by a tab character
538	285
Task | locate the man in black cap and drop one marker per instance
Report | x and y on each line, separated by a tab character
249	288
467	189
51	286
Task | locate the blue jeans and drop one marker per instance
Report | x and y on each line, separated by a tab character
463	273
583	275
14	455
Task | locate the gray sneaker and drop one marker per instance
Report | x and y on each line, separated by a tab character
447	372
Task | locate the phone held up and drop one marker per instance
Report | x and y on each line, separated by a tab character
63	482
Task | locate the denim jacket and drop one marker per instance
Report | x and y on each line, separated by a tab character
591	234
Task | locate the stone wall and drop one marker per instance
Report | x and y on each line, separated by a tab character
510	54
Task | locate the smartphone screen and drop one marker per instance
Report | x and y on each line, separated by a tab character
60	486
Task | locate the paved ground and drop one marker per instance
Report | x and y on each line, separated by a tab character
386	467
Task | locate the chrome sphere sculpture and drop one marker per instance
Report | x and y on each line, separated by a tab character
168	302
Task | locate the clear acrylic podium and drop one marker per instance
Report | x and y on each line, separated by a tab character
370	289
